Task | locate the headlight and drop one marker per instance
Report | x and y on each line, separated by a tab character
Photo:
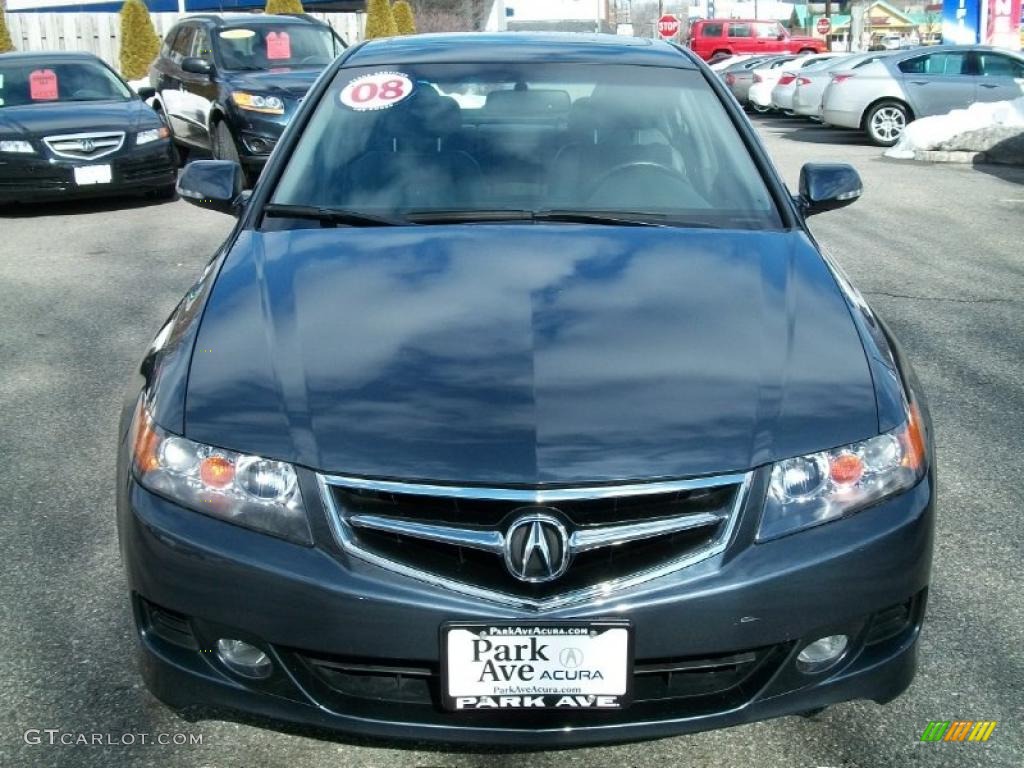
153	134
251	491
809	490
17	147
270	105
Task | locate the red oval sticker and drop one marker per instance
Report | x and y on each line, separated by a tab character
380	90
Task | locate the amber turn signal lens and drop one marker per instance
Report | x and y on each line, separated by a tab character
914	448
145	442
846	469
217	471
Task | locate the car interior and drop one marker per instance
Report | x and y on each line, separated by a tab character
528	147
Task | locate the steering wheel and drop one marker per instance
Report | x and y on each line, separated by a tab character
653	172
87	93
314	59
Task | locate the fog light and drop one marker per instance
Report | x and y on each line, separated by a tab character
259	145
822	654
243	658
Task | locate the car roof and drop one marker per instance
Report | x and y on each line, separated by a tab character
55	56
910	53
228	20
505	47
736	21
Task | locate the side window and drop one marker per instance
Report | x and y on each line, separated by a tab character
740	30
767	31
165	50
995	65
183	44
711	30
201	45
936	64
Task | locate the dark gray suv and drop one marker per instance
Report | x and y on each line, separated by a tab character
229	84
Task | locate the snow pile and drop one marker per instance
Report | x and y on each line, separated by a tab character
995	127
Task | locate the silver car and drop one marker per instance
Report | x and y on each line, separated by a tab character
880	98
740	78
810	84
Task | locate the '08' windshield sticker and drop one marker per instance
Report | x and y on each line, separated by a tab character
380	90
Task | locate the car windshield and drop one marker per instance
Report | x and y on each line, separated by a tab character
39	82
288	46
640	142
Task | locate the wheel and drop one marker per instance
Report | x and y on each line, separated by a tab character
759	108
804	51
180	152
812	713
885	122
224	147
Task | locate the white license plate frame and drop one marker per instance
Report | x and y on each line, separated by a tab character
600	646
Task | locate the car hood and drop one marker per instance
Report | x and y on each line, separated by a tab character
533	354
288	82
38	120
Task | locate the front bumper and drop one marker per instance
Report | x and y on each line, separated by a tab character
257	135
344	634
135	170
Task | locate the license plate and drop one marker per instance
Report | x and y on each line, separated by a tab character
543	665
93	174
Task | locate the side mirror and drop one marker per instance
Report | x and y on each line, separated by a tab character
780	36
213	184
827	186
146	92
196	66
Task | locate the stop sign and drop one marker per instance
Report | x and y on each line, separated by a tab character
668	26
824	25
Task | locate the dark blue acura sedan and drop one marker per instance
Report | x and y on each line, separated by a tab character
521	407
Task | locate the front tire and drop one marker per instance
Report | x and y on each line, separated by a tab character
224	147
760	109
885	123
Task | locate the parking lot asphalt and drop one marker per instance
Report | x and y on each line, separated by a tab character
83	288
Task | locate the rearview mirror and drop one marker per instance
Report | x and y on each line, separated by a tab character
827	186
213	184
196	66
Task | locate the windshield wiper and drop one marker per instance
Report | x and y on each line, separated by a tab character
468	216
625	219
333	216
588	217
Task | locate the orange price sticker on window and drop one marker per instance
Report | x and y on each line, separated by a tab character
279	46
42	85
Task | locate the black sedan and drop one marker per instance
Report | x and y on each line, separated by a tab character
520	407
71	126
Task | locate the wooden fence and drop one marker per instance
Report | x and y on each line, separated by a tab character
99	33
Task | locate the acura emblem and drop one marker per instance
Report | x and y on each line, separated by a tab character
536	548
87	146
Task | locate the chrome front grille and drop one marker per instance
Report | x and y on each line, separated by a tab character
534	548
85	146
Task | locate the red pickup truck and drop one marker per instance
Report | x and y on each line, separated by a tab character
733	36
